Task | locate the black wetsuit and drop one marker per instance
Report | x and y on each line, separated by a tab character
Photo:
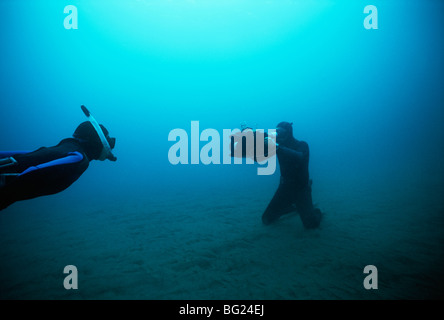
294	191
42	172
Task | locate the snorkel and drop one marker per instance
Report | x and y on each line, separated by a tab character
106	150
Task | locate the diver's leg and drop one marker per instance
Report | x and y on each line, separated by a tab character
4	201
6	198
20	188
310	216
280	204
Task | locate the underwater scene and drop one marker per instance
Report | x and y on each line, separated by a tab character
222	150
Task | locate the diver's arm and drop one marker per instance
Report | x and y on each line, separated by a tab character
72	157
287	152
296	155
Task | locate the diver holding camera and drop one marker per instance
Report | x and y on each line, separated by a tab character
294	191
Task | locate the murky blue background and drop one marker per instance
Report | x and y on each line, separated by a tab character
370	103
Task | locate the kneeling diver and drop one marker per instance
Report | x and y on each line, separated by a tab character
49	170
294	191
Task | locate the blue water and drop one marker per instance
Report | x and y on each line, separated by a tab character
370	104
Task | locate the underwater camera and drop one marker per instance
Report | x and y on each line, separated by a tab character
246	144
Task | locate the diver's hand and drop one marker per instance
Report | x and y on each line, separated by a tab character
261	154
237	147
270	146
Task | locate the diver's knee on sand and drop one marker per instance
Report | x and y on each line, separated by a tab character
312	219
270	217
266	220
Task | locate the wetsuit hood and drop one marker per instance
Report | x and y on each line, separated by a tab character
90	141
284	131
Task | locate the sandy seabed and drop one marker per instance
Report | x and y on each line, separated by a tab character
212	245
